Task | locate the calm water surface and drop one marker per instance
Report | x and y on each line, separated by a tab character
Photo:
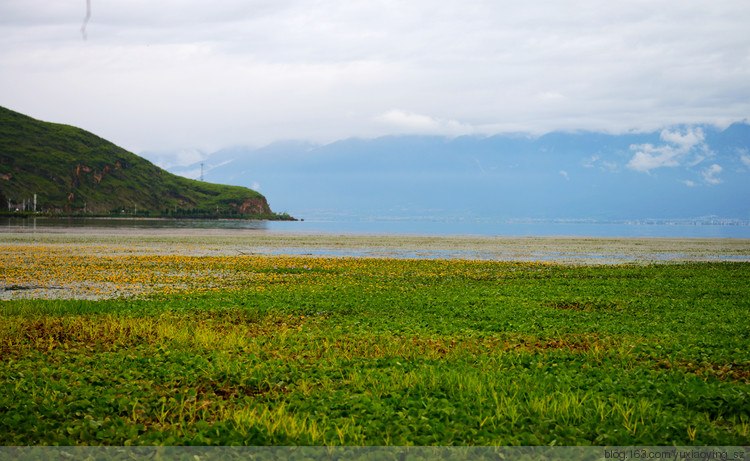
432	227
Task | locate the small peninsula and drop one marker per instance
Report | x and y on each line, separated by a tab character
60	170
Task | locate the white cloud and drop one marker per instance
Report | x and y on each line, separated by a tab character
611	166
565	175
745	160
684	141
410	122
696	160
595	161
710	174
589	163
255	186
648	157
680	143
688	183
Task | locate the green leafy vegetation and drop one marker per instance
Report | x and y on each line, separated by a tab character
331	351
74	172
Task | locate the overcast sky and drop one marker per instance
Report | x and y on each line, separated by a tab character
195	74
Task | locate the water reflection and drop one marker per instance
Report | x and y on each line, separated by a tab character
124	223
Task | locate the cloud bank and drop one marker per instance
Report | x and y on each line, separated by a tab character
205	75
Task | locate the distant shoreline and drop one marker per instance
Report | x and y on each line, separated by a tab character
376	227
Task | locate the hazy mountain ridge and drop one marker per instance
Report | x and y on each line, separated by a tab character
678	173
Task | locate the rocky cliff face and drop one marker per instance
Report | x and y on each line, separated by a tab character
257	205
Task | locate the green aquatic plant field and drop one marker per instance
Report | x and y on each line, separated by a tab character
354	351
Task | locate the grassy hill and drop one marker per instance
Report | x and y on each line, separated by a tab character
72	171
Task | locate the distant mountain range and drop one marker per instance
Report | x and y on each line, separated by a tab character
59	169
676	173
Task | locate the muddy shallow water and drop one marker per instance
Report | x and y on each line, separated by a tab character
198	242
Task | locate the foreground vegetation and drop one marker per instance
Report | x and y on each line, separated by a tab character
327	351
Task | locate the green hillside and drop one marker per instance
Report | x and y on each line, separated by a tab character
72	171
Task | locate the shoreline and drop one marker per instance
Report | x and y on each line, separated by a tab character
144	218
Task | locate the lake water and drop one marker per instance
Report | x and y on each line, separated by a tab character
429	226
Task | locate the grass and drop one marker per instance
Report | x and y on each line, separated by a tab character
257	350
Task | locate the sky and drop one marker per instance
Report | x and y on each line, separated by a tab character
194	76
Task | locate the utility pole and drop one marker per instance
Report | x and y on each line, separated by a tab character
201	171
34	203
